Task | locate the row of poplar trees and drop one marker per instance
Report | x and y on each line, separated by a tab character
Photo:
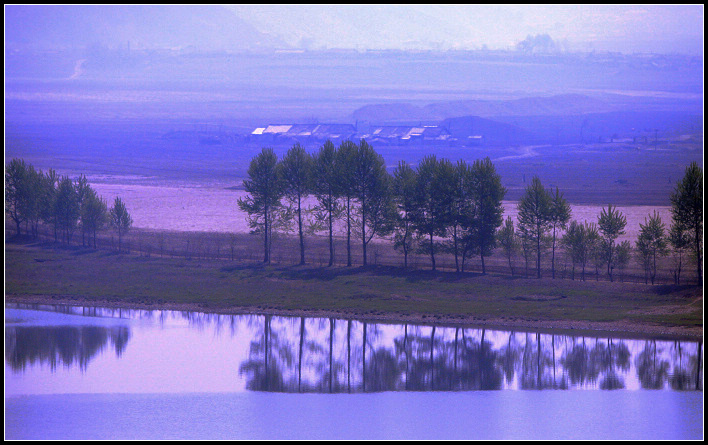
33	196
456	208
544	223
460	202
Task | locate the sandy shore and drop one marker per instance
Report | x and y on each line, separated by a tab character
621	329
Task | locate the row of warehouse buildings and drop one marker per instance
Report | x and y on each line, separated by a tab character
374	134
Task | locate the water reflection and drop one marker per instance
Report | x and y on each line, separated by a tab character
54	345
305	354
430	358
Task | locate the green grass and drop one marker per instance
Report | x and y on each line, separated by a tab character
75	273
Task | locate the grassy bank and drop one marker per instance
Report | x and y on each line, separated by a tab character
43	272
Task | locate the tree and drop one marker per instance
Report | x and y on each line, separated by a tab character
432	203
687	210
486	215
623	254
37	201
680	242
345	160
571	242
23	195
48	196
535	211
651	243
18	192
403	189
509	242
66	208
580	239
611	223
461	200
94	214
82	188
265	189
120	219
325	179
296	172
371	186
560	215
527	246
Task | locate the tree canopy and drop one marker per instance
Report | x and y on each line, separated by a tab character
535	213
265	190
687	210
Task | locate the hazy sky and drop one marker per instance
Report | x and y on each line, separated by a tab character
625	28
621	28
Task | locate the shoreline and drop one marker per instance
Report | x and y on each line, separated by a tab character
615	329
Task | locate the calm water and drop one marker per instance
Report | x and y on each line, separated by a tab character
93	373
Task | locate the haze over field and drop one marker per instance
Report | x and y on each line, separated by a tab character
175	92
616	28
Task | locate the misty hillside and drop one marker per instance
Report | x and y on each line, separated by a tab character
140	26
495	133
560	119
564	104
594	127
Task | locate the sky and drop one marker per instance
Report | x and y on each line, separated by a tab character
618	28
623	28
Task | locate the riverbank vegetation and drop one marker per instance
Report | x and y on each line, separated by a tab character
419	228
33	197
456	209
45	273
439	210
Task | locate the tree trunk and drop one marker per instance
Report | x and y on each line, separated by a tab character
266	250
698	252
331	235
538	256
363	232
432	251
349	233
299	229
511	268
454	241
553	255
405	253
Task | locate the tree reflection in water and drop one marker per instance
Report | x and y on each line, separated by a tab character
54	345
301	354
425	358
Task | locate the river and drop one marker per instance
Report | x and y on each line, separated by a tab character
98	373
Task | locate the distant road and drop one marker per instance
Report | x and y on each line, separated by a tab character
527	152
